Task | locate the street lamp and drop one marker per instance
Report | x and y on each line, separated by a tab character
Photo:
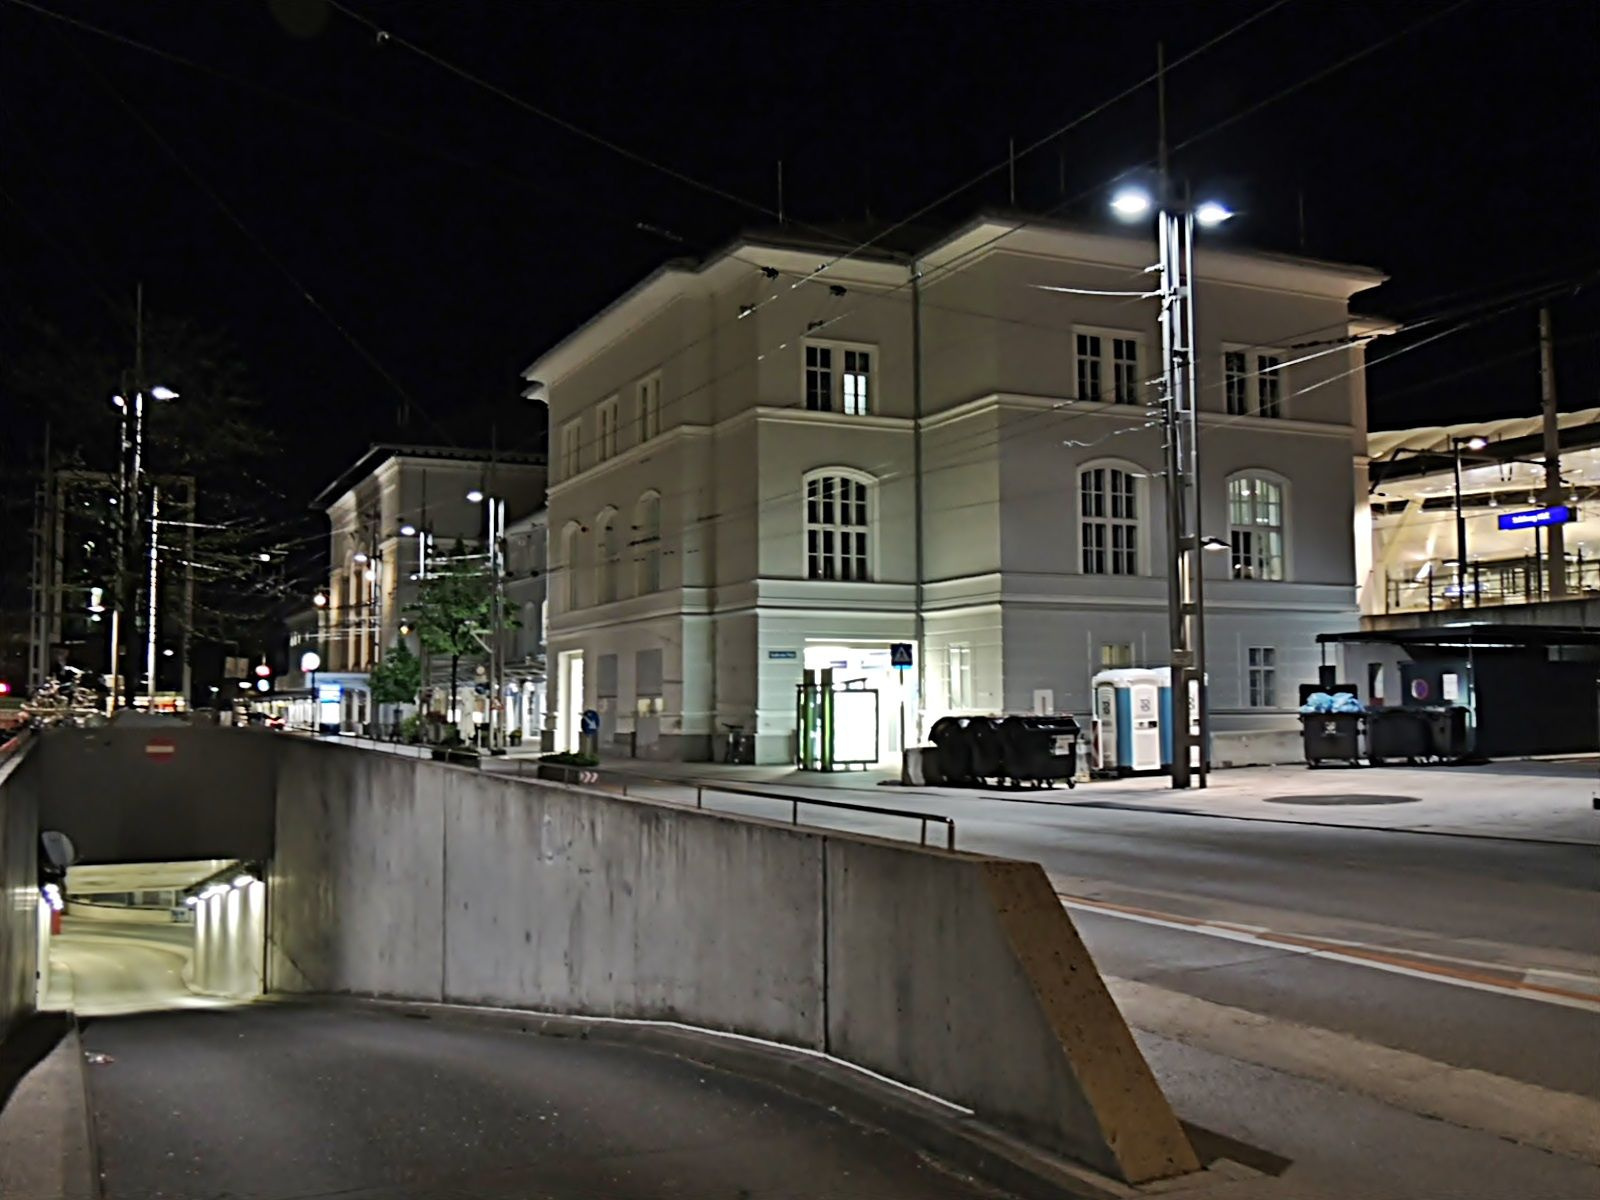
497	528
1175	226
1456	443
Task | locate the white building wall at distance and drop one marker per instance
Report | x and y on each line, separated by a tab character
775	386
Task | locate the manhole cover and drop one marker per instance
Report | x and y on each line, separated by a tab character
1343	798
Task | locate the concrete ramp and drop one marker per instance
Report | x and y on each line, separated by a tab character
957	974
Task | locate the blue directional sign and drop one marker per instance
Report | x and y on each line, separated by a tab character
1556	514
590	722
900	655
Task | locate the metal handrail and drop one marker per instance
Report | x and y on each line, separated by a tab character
576	775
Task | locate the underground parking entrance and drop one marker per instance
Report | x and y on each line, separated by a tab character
123	938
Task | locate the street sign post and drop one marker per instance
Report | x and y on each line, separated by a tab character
900	655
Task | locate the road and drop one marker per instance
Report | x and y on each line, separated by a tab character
1435	996
193	1099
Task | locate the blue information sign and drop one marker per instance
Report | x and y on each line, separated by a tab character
1556	514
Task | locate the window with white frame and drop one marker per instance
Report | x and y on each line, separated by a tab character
570	535
1108	520
647	544
649	408
1255	527
606	434
959	676
836	526
1108	367
838	378
605	557
571	441
1261	676
1253	382
1236	381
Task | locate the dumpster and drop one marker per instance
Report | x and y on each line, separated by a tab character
1038	750
1394	733
954	740
988	756
1331	737
1446	728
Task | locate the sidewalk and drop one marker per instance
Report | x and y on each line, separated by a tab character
1547	801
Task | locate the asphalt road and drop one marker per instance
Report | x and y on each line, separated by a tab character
265	1102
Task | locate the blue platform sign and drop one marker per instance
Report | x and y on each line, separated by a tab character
784	655
1556	514
900	655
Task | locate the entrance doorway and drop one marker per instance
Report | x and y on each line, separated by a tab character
866	666
569	714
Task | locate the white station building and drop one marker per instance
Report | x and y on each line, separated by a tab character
760	469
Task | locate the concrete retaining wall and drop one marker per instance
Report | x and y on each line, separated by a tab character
199	792
958	974
19	885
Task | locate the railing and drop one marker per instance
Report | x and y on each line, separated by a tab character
602	777
1488	583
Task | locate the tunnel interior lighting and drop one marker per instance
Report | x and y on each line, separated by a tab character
245	879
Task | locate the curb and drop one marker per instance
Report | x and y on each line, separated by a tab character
944	1131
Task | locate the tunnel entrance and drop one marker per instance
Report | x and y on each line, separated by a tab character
153	936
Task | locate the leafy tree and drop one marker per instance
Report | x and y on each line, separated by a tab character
452	612
398	676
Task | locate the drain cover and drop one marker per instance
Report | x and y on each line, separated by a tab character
1343	798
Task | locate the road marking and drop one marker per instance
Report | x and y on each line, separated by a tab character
1560	1122
1471	975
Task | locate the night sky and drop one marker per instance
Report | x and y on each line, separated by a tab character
450	233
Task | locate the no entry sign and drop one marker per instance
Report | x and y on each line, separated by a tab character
160	749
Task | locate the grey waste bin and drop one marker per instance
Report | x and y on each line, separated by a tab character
1397	733
1038	750
1331	737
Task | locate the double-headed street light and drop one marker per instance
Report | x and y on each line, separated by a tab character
1456	443
128	499
1181	437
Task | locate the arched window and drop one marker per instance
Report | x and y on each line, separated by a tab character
838	521
1255	527
605	557
570	534
647	544
1109	508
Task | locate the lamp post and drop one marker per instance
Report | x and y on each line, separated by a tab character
129	487
496	510
1175	225
1471	443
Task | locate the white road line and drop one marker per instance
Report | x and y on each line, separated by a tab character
1332	955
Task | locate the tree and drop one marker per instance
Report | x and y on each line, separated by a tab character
397	677
452	612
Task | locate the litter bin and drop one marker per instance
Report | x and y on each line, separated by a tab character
1331	737
1038	750
739	746
1397	733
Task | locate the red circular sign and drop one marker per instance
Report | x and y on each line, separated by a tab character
160	749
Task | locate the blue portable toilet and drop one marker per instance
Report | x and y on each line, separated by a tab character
1132	726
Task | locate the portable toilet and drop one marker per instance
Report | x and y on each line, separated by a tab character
1132	732
1127	737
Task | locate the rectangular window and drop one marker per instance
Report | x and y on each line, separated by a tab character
649	408
571	434
1262	681
1115	655
606	436
1125	370
1089	367
1236	381
1269	384
819	378
857	380
960	677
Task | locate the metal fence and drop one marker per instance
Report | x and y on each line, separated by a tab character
1525	580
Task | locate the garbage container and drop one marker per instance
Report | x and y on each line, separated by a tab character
1331	737
1038	750
1396	733
1446	729
988	755
954	741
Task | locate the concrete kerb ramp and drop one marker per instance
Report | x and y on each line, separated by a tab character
957	974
